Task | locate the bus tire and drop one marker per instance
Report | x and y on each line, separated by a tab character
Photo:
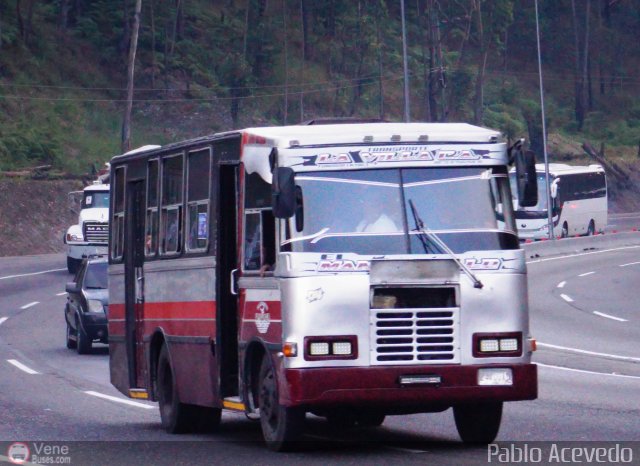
175	416
83	342
592	228
478	423
72	264
565	230
281	425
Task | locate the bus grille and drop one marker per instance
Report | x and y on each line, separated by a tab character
415	336
95	232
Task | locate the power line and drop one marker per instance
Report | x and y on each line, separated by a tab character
213	99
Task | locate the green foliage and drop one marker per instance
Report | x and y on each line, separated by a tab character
204	66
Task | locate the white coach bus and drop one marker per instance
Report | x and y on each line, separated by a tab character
352	271
579	202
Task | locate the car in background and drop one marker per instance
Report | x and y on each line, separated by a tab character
87	306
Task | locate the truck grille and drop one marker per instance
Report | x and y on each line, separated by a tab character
415	336
96	232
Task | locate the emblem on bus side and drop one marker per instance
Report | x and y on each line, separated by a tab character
263	318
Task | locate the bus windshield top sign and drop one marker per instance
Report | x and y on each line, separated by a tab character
393	154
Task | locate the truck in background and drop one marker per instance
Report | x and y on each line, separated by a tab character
90	236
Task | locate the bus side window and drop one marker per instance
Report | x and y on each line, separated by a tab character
198	186
259	226
151	228
171	213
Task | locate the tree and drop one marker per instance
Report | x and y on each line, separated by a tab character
492	18
581	63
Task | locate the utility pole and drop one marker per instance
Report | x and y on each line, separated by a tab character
126	123
544	132
407	112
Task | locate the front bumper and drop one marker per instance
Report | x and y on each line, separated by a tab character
380	387
81	250
95	325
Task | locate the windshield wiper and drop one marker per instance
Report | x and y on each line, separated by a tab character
427	235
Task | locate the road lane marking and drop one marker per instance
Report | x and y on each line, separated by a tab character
566	298
561	284
585	274
537	261
61	294
608	316
591	353
582	371
3	320
30	274
27	306
630	263
119	400
22	367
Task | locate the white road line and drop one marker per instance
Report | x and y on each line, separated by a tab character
27	306
566	298
30	274
570	256
561	284
630	263
588	372
119	400
585	274
61	294
3	320
602	314
22	367
591	353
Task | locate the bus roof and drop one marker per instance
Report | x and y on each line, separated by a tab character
375	133
557	169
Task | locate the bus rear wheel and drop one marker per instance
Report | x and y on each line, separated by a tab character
478	423
592	228
175	416
281	426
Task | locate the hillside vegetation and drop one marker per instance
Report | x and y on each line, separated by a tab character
212	65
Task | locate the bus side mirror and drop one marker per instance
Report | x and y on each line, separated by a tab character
283	193
526	178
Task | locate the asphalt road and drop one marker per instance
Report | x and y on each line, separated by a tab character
584	315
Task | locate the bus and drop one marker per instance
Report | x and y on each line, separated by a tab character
579	202
350	271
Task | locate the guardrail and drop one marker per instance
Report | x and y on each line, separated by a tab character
582	244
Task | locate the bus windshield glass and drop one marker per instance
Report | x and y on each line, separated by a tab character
368	211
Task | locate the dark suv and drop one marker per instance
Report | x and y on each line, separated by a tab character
87	305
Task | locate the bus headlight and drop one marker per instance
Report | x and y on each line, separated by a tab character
497	344
331	347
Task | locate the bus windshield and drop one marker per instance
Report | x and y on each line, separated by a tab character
368	211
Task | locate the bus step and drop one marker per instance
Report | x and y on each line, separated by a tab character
139	393
234	403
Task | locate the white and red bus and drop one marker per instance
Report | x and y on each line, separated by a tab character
352	271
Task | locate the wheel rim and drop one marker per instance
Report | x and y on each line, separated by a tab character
268	400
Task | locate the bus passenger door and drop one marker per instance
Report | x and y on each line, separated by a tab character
134	281
226	281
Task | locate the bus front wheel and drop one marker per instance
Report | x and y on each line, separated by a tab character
478	423
565	230
592	228
281	426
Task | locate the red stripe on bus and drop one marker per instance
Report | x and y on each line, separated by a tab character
170	310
